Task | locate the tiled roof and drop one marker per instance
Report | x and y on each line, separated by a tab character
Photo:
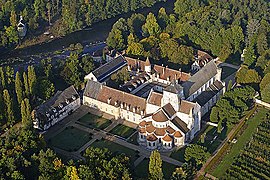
142	130
117	97
180	124
160	116
171	74
135	63
105	70
169	110
142	123
177	134
150	128
160	131
167	138
170	130
155	98
186	106
174	88
151	137
209	93
200	78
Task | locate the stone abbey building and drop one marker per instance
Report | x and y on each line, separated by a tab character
166	104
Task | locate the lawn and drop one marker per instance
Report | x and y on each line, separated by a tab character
133	139
70	139
141	171
123	131
95	121
116	148
228	159
226	72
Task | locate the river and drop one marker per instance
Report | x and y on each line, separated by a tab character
96	33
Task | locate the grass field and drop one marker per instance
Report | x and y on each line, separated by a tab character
226	72
141	171
95	121
242	139
70	139
122	130
116	148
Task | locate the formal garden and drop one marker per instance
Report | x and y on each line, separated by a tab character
94	121
123	131
70	139
116	148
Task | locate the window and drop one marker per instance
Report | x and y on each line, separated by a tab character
159	140
128	116
165	144
154	144
149	144
141	136
169	144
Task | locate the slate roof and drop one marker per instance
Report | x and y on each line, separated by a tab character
174	88
60	97
180	124
200	78
92	89
209	93
105	70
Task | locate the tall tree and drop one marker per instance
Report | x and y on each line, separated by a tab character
31	79
3	78
18	87
151	27
26	113
155	166
26	85
8	107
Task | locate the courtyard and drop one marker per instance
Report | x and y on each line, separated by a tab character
70	139
94	121
123	131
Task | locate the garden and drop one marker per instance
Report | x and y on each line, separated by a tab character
123	130
70	139
94	121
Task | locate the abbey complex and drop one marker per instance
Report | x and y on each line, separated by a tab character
166	104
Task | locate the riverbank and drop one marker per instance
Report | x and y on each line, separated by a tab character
96	33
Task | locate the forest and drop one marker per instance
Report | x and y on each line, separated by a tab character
63	16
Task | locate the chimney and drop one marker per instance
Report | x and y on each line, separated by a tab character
109	100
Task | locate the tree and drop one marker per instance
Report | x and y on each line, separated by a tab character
31	78
87	64
247	76
266	93
3	78
155	166
26	113
116	39
249	56
262	44
26	85
8	107
13	18
265	81
44	89
151	27
178	174
18	88
196	153
163	18
135	23
11	34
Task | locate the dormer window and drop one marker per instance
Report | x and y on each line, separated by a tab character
67	101
60	106
73	97
54	110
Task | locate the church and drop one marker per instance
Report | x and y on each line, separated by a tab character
166	104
